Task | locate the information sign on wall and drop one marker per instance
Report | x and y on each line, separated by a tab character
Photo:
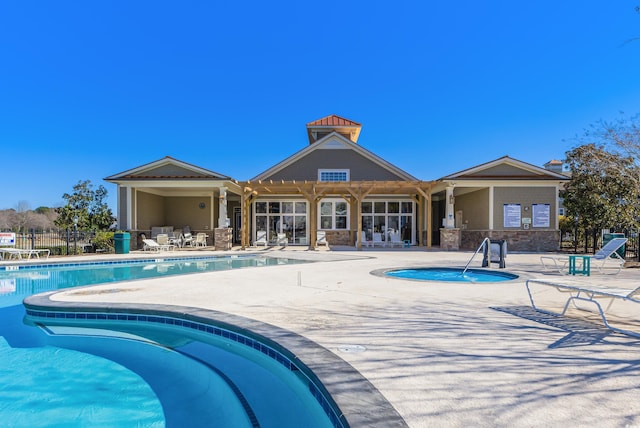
541	215
512	215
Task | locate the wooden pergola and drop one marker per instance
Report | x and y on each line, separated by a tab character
354	192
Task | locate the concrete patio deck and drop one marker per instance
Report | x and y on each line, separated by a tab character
442	354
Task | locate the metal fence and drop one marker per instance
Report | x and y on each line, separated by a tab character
631	249
59	242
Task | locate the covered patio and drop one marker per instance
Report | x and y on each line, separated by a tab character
175	196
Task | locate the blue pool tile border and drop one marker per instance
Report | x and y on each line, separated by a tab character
14	267
330	409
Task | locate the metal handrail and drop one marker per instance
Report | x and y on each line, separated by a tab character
485	241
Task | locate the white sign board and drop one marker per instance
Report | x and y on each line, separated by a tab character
541	215
512	215
7	238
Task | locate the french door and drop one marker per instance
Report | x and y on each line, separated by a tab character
282	217
383	218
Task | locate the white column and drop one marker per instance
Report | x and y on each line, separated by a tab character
222	208
450	220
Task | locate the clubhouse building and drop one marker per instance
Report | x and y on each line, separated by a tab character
335	186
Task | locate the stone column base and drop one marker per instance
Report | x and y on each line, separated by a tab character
223	238
450	239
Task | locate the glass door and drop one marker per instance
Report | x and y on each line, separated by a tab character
380	219
276	217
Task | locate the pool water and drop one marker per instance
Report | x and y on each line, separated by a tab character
452	275
57	375
32	279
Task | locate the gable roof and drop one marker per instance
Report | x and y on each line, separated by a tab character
505	168
167	168
334	141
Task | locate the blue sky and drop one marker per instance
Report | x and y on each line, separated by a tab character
90	89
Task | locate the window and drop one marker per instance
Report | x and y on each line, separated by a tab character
334	214
288	217
387	217
333	175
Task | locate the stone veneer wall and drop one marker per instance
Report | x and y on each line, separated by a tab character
339	237
222	238
517	240
450	239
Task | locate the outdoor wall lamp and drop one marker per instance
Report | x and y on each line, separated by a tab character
452	199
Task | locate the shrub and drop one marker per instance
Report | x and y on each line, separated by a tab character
103	241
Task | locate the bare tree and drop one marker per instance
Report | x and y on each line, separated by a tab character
21	216
6	222
622	139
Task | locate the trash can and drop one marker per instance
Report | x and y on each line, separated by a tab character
608	237
121	242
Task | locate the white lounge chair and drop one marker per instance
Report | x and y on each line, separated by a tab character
282	239
151	245
321	238
620	302
606	258
377	239
19	253
261	238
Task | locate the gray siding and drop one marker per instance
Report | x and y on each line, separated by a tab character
504	170
526	197
171	170
361	168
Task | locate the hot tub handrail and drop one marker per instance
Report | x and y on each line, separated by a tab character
485	241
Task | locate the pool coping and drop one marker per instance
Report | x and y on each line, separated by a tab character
353	394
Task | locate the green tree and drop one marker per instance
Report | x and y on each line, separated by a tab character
87	206
601	193
566	225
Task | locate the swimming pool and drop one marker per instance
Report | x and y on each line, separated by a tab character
139	367
24	280
451	274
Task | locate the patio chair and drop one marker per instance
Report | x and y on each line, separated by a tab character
261	238
201	240
394	239
282	239
163	240
606	258
363	239
187	239
321	238
377	239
